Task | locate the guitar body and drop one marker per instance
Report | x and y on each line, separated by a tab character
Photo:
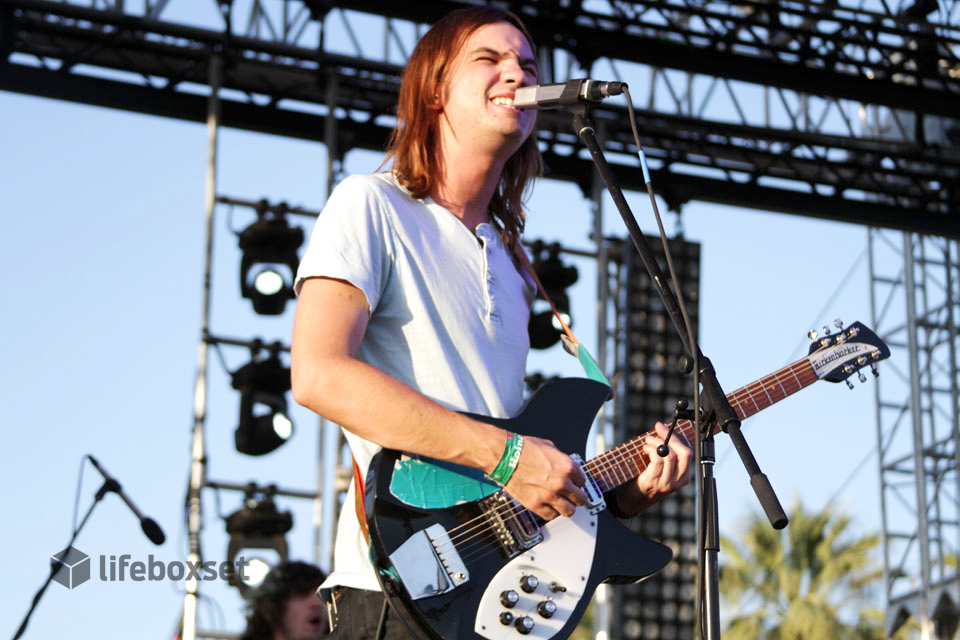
574	555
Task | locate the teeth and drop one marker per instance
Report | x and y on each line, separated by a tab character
506	102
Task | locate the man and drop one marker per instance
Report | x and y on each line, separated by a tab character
412	306
285	605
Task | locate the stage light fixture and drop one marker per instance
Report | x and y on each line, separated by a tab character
556	277
269	261
264	424
257	538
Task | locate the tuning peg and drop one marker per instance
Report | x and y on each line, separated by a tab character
826	330
876	372
863	378
812	334
849	384
838	323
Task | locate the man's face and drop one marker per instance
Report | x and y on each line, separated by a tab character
304	618
477	97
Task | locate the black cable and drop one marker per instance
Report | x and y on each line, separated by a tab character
55	568
382	625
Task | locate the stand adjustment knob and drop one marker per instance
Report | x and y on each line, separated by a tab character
547	608
524	625
529	583
509	599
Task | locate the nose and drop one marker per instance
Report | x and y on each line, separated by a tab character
512	72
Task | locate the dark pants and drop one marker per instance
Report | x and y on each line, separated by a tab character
357	615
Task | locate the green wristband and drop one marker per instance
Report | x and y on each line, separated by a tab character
508	462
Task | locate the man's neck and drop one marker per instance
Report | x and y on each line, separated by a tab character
466	184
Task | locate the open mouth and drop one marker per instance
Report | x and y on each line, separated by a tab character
503	101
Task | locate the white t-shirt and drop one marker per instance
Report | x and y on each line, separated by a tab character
448	314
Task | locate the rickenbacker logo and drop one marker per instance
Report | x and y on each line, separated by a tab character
842	352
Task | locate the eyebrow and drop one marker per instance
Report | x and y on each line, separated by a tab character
497	54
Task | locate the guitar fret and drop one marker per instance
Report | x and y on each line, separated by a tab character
618	468
750	393
764	387
796	378
740	412
782	388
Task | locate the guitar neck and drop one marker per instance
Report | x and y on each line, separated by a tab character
628	460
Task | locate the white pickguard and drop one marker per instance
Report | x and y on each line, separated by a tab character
563	558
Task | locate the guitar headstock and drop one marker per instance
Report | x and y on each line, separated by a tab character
837	356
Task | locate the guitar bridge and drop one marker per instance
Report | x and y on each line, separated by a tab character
515	528
428	563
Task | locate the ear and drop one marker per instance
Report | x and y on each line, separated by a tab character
436	104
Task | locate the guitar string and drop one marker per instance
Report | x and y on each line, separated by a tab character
603	465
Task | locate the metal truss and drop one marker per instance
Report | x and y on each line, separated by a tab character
916	308
759	104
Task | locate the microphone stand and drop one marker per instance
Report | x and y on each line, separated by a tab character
717	409
55	568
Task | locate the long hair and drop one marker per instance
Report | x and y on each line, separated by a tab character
268	605
413	142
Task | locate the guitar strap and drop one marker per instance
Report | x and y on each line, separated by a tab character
359	507
570	342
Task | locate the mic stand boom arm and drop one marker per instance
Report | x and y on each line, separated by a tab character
715	401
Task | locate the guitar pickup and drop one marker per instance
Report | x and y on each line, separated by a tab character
595	502
428	563
515	528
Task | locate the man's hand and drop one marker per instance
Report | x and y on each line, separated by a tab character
547	481
661	477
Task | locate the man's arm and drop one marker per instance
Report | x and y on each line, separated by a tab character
330	322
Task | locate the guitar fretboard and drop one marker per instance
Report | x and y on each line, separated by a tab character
628	460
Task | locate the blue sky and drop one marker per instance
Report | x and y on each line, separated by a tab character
103	257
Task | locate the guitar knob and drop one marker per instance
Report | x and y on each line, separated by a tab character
812	334
873	368
547	608
838	323
524	625
506	618
509	599
529	583
826	330
863	378
849	384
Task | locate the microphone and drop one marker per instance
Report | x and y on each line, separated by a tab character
552	96
149	526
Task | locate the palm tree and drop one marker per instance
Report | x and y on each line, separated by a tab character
808	582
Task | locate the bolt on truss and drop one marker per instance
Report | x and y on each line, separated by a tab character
916	309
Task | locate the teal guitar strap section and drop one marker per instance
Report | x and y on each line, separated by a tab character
428	483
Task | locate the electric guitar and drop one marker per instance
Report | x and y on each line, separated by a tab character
459	559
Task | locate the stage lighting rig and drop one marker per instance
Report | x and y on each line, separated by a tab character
556	277
263	384
270	259
257	536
